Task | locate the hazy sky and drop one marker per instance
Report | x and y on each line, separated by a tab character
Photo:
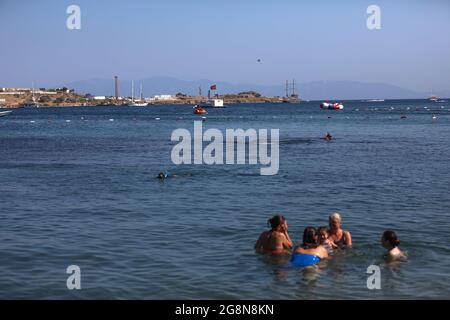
222	40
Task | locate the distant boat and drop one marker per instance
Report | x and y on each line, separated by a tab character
332	106
376	100
136	103
200	110
32	103
432	97
4	113
293	98
216	103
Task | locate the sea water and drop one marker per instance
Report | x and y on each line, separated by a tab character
78	187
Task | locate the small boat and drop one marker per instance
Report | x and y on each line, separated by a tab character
200	110
138	103
4	113
33	103
433	99
217	103
332	106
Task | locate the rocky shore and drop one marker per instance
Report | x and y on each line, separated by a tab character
69	98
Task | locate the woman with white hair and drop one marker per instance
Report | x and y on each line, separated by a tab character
342	238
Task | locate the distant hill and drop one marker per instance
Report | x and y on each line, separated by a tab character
317	90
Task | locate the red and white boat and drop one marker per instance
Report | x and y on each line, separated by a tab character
332	106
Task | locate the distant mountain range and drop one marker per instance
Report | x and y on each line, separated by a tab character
316	90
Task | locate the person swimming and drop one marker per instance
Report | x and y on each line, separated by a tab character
164	175
324	241
390	241
328	137
276	240
341	238
310	252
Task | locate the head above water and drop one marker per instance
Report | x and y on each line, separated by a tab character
389	239
161	175
335	221
276	221
310	237
323	232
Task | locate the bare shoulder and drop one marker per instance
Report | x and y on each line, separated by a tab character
264	234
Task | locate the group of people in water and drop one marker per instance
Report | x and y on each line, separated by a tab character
318	243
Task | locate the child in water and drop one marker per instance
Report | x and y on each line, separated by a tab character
390	241
324	241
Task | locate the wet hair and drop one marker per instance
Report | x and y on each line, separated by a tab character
391	237
335	216
275	221
320	229
309	238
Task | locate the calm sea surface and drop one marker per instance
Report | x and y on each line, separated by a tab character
84	193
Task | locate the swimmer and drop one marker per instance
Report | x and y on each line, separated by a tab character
328	137
341	238
276	240
324	241
311	251
390	242
165	174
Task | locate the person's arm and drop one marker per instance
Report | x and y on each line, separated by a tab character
348	239
332	244
287	241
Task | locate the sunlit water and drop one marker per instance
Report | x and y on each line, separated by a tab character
84	192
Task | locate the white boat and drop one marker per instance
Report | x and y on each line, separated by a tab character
433	98
138	103
32	103
4	113
332	106
216	103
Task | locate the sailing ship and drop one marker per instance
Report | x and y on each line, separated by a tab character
140	102
33	103
293	97
432	97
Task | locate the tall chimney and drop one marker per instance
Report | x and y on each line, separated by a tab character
116	87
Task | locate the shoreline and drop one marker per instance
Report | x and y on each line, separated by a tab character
69	98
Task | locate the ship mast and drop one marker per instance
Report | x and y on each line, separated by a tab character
32	92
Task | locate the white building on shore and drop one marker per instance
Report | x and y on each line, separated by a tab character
162	97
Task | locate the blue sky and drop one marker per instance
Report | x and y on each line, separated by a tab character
222	40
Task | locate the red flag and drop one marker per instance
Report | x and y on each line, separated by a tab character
213	87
